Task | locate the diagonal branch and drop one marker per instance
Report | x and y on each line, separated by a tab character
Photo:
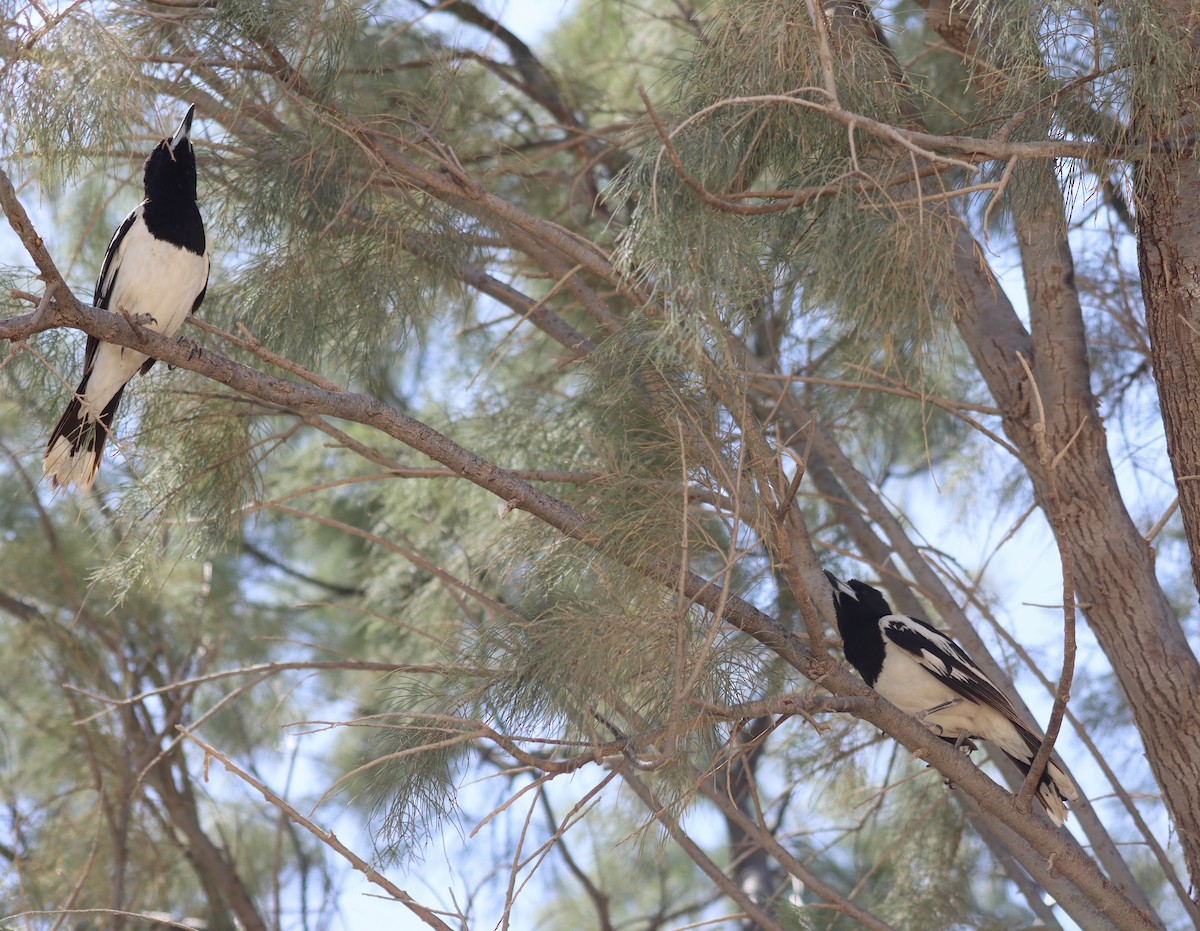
19	220
325	837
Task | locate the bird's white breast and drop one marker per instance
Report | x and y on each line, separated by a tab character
907	684
152	277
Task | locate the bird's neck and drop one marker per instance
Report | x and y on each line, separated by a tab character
174	217
862	642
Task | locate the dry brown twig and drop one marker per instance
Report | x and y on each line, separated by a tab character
1062	693
327	838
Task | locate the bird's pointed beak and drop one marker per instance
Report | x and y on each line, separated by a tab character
184	128
839	587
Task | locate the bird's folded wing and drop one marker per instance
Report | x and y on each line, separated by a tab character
112	258
108	277
947	662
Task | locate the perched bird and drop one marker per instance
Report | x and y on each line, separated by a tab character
922	671
155	272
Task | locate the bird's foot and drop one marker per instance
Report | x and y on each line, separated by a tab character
193	348
195	351
965	744
946	782
138	321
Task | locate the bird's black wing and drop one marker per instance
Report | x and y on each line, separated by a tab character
947	662
112	262
108	276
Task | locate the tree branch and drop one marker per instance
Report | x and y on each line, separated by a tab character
697	855
327	838
308	399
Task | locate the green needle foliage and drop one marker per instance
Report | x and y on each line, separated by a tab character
572	348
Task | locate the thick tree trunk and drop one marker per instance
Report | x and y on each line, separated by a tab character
1168	196
1114	566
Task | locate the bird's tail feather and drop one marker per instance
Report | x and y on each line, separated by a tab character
77	443
1055	787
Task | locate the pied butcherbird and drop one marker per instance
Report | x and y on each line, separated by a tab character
155	272
922	671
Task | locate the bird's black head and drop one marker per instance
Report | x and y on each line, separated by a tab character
171	168
859	608
857	599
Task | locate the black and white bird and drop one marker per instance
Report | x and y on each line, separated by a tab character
155	272
922	671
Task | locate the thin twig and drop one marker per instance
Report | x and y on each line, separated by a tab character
255	670
697	855
251	344
327	838
1054	510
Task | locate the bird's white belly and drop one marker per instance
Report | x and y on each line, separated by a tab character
166	294
911	687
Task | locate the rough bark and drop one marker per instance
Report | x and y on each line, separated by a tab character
1168	210
1122	600
1169	257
